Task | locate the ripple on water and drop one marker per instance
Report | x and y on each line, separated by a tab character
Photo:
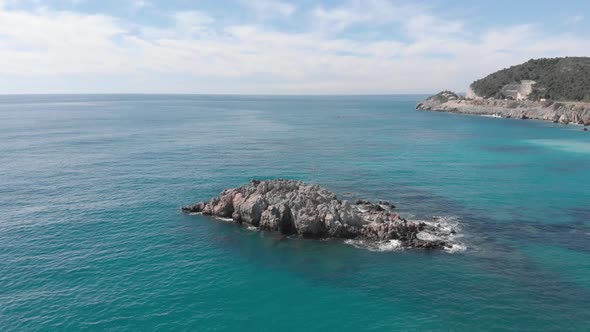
91	236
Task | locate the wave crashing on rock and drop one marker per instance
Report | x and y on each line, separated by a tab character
310	211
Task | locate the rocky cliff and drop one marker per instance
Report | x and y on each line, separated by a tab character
295	208
558	112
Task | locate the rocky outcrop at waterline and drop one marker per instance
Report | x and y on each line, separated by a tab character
310	211
558	112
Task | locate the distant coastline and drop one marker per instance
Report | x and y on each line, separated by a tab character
556	90
557	112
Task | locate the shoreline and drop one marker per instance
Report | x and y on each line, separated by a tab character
556	112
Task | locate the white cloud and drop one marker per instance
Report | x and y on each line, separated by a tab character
186	25
51	43
577	18
137	4
424	26
192	22
270	8
374	12
196	54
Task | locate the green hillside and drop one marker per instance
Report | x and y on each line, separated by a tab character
557	79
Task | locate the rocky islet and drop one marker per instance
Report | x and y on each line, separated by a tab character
294	208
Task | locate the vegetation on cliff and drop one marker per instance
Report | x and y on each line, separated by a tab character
566	79
444	96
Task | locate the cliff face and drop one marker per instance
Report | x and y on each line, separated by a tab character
558	112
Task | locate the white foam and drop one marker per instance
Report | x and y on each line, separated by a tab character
354	243
252	228
390	245
455	247
382	246
448	228
425	236
446	224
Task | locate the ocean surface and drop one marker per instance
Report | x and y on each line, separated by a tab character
92	237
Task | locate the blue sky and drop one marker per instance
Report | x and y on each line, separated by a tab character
276	46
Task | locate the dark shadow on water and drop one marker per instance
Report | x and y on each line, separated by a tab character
581	216
571	166
493	273
512	149
505	166
496	274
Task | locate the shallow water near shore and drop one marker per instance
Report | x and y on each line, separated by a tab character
92	236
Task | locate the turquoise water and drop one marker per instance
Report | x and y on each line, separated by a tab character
91	236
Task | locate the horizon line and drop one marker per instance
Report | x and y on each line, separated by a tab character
213	94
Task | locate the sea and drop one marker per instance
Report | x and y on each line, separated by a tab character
92	236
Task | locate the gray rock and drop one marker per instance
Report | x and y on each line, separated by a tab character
194	208
224	207
252	208
270	219
295	208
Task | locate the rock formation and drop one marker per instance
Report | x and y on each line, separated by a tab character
558	112
295	208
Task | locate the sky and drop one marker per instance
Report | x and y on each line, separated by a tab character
277	46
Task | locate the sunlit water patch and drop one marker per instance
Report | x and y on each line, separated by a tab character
564	145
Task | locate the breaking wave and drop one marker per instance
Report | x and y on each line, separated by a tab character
450	233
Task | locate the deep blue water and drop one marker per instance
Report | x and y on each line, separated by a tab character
91	236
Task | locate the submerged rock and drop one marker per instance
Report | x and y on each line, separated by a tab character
296	208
